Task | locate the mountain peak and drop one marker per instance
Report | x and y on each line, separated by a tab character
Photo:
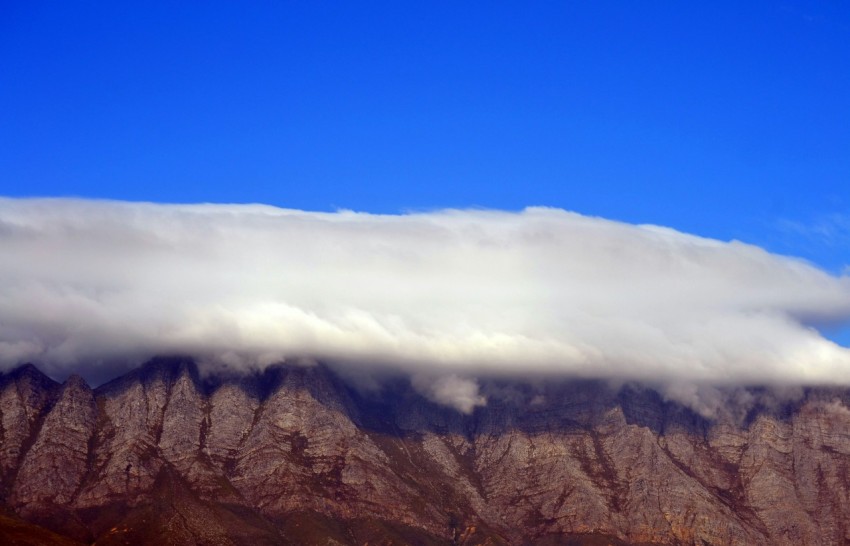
29	371
292	455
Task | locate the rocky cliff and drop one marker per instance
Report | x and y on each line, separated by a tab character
292	455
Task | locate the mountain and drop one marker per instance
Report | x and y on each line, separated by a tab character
293	455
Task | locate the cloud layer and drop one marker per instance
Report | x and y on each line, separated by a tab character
446	296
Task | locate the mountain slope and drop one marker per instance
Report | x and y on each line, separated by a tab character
294	456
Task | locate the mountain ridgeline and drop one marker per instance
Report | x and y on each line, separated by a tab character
293	455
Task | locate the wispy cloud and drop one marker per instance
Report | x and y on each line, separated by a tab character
829	229
445	296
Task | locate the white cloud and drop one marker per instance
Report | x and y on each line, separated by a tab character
448	293
451	390
831	229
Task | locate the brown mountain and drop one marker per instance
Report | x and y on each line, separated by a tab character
294	456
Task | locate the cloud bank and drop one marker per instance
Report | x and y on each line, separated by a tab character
445	296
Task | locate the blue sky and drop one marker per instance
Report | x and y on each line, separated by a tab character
723	119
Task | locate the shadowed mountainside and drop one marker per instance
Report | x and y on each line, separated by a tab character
292	455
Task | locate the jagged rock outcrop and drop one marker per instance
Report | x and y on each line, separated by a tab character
294	456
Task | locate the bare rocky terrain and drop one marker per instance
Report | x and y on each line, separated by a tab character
295	456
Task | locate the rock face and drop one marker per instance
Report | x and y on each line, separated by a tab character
294	456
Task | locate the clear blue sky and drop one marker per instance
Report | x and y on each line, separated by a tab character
724	119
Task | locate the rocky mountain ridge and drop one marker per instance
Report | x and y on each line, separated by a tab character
293	455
